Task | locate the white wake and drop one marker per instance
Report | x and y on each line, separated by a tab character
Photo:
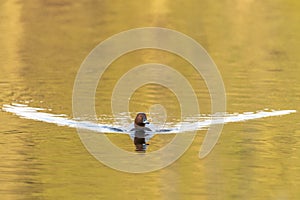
40	114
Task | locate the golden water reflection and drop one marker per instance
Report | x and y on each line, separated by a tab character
255	45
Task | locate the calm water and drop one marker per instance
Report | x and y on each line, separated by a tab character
255	45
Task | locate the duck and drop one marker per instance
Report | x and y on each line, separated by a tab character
140	130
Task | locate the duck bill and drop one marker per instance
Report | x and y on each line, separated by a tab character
145	121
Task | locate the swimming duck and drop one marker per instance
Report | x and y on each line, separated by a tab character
139	128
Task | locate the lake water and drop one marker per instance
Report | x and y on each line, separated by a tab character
255	45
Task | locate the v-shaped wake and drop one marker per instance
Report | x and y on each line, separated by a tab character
40	114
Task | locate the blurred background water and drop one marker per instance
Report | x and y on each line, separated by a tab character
255	45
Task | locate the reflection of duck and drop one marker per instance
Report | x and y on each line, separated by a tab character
140	130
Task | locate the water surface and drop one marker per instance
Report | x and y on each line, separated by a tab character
255	45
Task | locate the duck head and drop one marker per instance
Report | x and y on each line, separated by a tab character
141	119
